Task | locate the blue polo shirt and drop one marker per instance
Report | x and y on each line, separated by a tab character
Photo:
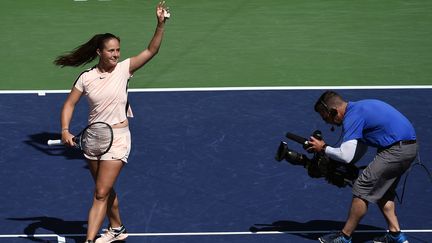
376	123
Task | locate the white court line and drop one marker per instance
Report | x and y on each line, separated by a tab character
62	238
266	232
217	233
260	88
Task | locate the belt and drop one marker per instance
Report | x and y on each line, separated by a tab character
402	142
406	142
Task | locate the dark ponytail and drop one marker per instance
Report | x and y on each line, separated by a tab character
86	52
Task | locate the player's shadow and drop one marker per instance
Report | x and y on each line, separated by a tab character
73	230
39	142
317	226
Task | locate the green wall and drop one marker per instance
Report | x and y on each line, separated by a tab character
226	43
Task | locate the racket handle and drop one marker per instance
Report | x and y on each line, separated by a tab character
55	142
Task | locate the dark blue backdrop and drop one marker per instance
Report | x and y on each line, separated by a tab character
200	162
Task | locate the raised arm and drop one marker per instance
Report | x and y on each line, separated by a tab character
142	58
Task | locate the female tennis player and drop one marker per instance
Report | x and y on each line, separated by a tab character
105	86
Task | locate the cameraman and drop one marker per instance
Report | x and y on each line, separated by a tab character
376	124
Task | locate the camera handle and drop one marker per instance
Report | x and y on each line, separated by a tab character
303	141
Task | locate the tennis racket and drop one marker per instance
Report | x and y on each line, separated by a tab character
94	140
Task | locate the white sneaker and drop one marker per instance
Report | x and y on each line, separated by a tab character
111	235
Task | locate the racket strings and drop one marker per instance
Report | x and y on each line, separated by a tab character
96	139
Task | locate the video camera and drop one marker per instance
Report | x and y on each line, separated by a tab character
320	165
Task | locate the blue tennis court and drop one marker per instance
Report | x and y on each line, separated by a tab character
202	169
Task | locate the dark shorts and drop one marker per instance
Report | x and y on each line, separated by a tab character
380	178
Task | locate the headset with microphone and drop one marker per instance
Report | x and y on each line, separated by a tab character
332	112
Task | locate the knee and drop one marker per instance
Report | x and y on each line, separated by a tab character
112	200
102	194
388	207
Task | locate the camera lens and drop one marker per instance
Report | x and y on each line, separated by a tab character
296	158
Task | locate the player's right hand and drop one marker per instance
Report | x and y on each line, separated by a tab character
68	138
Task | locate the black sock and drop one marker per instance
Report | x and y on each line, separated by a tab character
347	237
394	234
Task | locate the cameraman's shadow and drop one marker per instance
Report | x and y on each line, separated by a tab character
39	142
55	225
315	227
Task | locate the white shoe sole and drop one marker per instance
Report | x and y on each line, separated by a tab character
120	237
